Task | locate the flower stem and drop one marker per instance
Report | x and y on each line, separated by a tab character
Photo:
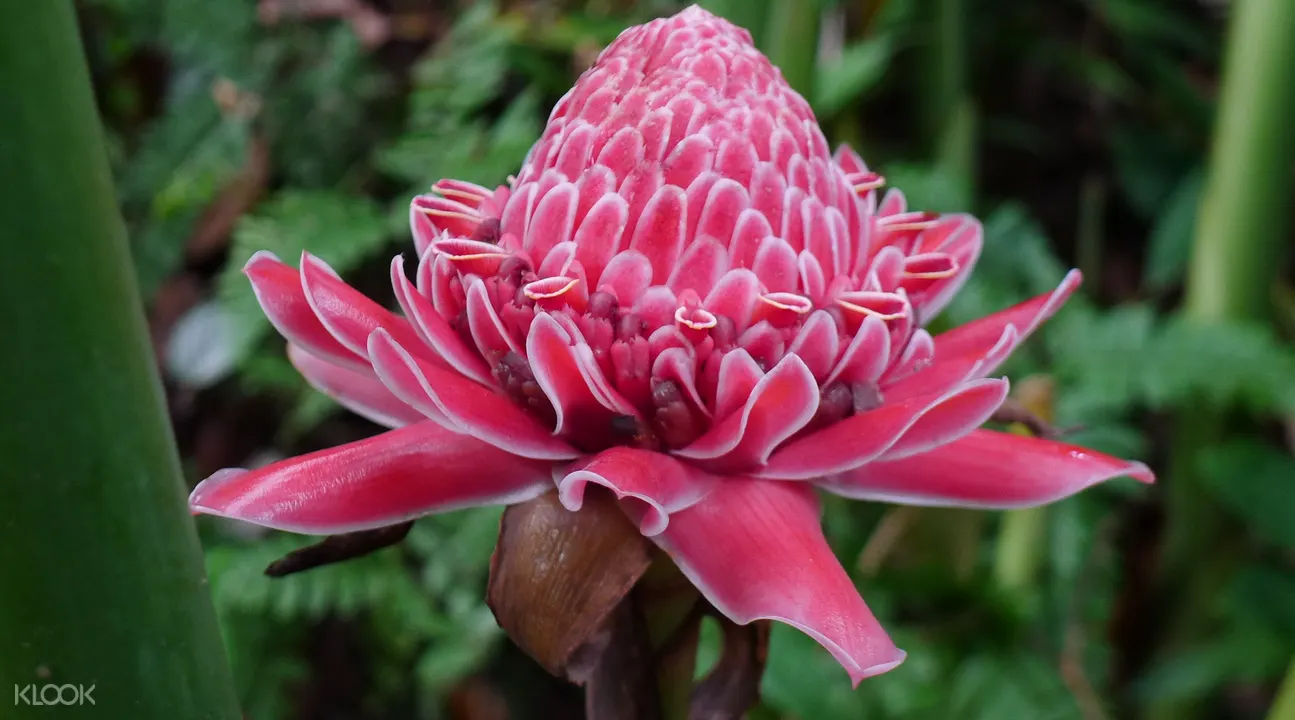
1240	228
102	570
950	113
1020	549
667	601
791	41
1284	704
1022	540
749	14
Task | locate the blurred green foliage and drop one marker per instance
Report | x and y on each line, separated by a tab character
1117	94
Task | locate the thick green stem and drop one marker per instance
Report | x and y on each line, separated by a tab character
750	14
1240	232
1241	228
668	600
1090	232
950	115
1284	705
791	41
1019	554
102	573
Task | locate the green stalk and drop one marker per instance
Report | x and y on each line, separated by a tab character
1023	537
1243	217
1242	222
1284	705
791	41
1020	548
1240	229
667	600
102	573
950	112
1090	234
749	14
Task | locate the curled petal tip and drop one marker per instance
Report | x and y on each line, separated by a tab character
858	675
258	258
206	496
1138	471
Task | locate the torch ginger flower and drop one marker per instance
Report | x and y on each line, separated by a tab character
683	297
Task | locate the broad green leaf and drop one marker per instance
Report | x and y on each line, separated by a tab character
1257	483
801	678
991	687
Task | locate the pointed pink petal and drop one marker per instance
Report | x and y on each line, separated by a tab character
848	160
961	237
817	343
739	373
679	365
553	220
659	232
361	393
860	439
782	403
865	358
278	290
434	329
627	276
348	314
599	235
986	469
383	480
477	411
957	416
946	373
662	484
584	408
734	297
704	263
755	550
981	335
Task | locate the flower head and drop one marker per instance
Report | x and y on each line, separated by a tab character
683	297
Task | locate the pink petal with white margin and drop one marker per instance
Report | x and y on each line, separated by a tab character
492	338
945	373
580	410
860	439
739	373
434	329
470	408
986	469
396	476
278	290
964	244
348	314
980	335
867	355
783	402
361	393
755	550
660	483
956	417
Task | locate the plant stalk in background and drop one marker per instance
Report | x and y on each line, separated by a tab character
950	113
1240	229
103	578
791	41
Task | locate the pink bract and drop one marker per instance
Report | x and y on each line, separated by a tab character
683	297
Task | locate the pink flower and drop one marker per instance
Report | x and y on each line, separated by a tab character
683	297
